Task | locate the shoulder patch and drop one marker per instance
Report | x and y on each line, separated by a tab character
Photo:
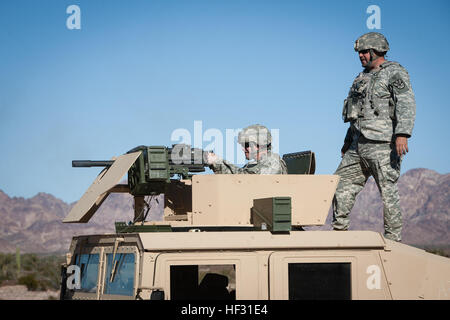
398	84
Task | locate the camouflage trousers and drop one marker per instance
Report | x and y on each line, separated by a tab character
364	159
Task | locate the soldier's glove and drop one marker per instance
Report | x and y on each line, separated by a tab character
211	158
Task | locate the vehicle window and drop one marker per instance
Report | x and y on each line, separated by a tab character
119	277
320	281
88	264
204	282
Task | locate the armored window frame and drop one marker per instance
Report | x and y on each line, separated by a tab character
247	273
104	274
89	264
88	250
279	270
319	281
197	288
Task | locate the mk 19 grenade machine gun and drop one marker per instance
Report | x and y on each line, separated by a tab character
155	166
150	172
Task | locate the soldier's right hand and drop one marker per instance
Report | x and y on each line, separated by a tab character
401	145
211	158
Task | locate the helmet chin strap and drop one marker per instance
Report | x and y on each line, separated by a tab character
372	59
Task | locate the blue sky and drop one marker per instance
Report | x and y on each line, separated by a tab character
138	70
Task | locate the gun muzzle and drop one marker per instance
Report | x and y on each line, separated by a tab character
91	163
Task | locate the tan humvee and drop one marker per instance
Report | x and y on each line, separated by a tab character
238	237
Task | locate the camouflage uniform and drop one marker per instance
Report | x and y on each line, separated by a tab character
268	163
379	107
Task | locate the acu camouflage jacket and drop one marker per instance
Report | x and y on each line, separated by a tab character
380	104
270	163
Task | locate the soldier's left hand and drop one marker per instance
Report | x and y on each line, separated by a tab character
401	145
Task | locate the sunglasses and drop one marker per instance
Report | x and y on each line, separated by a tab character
248	144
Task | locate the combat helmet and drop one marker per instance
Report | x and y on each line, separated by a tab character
255	133
372	40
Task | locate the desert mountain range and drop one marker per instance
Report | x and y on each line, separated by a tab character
34	224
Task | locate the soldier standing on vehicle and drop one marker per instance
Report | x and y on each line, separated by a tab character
256	141
381	110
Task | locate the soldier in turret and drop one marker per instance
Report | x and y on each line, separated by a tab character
381	109
256	142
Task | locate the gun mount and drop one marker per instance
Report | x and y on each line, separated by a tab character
155	166
150	172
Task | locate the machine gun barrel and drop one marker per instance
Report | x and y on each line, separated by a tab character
91	163
153	168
